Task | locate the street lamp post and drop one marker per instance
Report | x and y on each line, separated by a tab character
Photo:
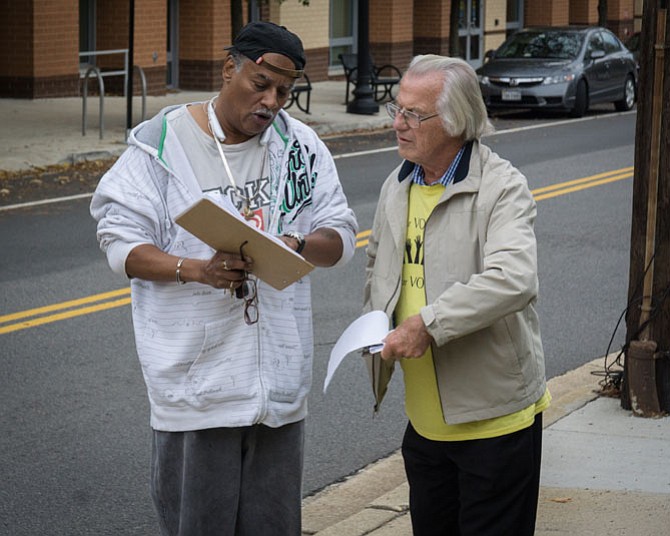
363	101
130	67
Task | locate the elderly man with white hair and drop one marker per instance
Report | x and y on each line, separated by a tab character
452	260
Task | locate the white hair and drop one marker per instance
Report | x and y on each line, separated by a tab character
460	104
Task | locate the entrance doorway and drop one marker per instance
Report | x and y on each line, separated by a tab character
470	31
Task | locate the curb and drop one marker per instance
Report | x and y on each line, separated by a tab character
377	495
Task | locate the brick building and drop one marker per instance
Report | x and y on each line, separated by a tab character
179	43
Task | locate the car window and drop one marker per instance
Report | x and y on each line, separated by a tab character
610	42
554	45
596	43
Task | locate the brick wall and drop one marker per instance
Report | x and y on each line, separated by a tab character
149	37
311	24
431	26
204	31
621	17
546	12
16	39
584	12
391	32
111	31
150	44
16	44
40	46
55	38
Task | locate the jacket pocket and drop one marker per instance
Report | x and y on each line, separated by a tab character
287	367
226	367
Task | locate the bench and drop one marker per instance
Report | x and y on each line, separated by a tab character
383	79
302	87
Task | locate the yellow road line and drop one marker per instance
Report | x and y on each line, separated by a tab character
62	316
561	185
582	186
63	305
546	192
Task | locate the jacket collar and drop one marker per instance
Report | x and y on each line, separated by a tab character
462	170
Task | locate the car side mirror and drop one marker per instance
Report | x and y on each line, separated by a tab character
490	54
597	54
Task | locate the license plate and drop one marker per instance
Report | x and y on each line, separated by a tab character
511	95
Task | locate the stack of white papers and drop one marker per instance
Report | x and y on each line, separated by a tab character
366	332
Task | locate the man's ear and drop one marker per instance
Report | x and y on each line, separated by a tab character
229	69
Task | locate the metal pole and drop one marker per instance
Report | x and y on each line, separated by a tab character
363	102
129	88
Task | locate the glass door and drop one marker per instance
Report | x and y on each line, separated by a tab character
470	31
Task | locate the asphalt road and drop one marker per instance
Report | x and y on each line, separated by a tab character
75	451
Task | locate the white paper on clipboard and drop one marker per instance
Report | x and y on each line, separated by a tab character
367	331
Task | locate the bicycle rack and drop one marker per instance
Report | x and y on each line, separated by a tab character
101	87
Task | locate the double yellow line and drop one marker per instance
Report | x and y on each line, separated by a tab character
118	298
69	309
582	184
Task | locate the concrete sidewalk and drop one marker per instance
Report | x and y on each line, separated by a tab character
605	472
42	132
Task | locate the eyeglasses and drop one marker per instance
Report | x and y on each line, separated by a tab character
248	292
412	119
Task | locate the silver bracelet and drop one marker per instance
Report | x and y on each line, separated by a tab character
177	274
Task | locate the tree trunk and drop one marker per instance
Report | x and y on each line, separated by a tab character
648	316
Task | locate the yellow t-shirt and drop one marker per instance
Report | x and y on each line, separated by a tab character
422	398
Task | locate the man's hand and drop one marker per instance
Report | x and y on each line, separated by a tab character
410	339
225	270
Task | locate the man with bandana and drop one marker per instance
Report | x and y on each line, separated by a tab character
226	358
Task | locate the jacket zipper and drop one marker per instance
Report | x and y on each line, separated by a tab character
263	405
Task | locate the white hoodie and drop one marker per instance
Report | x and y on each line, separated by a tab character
203	366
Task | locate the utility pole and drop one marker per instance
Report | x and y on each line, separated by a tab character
646	379
130	67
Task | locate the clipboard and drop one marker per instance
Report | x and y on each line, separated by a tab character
274	263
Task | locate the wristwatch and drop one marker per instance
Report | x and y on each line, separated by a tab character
299	237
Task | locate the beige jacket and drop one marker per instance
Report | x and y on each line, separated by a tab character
481	285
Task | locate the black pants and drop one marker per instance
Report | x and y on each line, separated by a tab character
483	487
243	481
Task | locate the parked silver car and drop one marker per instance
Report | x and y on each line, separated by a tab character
565	68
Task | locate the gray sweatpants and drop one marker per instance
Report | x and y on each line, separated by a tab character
229	481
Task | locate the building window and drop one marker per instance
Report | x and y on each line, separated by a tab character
343	29
514	16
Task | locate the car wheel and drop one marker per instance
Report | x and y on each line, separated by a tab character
628	100
581	100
